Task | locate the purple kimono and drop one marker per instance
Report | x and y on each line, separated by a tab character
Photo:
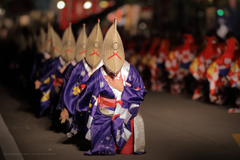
76	83
41	60
51	73
66	75
110	126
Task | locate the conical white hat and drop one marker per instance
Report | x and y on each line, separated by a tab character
113	51
68	45
93	52
81	44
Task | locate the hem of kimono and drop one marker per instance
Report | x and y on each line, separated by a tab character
139	153
88	153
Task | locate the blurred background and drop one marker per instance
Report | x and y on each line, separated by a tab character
20	22
153	32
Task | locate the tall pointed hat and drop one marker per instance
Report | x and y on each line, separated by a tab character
56	44
42	40
48	42
113	51
81	44
93	52
68	45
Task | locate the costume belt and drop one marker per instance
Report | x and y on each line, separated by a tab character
58	82
106	102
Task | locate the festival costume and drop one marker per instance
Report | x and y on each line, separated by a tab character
147	55
200	64
81	73
234	80
218	70
178	62
51	77
41	55
156	66
114	122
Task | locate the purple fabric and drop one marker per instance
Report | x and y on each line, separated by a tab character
224	72
37	65
102	126
75	80
51	69
102	142
131	95
44	105
66	74
45	69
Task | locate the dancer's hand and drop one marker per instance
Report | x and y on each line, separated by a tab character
64	115
116	83
37	84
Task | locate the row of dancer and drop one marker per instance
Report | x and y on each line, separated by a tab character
214	68
94	87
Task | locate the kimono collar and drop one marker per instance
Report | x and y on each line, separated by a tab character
73	62
124	71
115	91
46	55
63	63
88	69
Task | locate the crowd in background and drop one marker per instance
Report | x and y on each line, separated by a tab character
186	65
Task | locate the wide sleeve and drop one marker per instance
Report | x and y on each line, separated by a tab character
72	90
66	74
87	93
51	67
135	93
126	109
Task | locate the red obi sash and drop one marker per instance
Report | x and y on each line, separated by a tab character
58	82
106	102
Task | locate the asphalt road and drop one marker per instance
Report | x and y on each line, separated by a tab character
177	128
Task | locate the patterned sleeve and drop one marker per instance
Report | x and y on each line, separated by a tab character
73	88
66	76
126	109
50	68
86	94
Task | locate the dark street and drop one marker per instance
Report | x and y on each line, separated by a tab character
176	128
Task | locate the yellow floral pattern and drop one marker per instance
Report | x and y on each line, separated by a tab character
144	60
151	62
194	65
45	96
76	90
90	104
94	97
235	67
211	68
171	55
47	80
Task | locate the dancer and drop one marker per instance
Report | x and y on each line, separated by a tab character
218	70
90	60
112	97
157	68
200	64
178	62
